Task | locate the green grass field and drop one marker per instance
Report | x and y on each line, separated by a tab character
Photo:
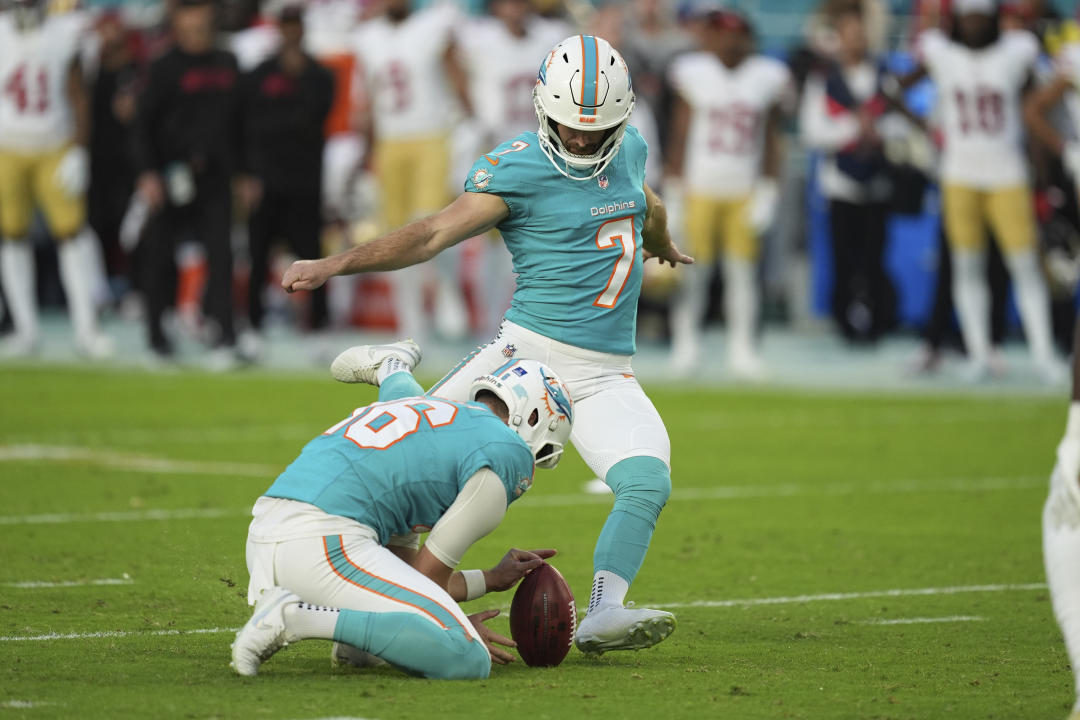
828	556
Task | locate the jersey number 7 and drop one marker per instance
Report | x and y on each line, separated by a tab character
616	233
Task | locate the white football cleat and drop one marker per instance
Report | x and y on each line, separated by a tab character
345	655
94	346
623	628
18	345
360	364
264	633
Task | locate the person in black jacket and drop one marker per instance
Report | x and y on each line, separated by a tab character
286	102
187	133
112	113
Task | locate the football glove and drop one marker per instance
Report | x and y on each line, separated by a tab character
763	202
73	172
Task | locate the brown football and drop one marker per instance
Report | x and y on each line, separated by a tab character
543	617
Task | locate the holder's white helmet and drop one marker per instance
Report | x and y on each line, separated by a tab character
584	84
540	409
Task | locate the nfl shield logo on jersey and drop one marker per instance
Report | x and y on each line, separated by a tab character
509	351
603	181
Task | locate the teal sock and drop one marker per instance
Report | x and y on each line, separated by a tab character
415	645
399	385
641	486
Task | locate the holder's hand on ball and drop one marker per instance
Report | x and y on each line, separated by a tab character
491	638
515	565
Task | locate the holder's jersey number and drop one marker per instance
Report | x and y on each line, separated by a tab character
380	425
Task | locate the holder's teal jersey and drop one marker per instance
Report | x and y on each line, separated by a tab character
397	465
576	244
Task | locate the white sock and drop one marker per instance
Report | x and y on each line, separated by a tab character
688	313
305	621
1033	302
389	366
740	305
17	274
451	314
972	299
77	274
608	590
408	287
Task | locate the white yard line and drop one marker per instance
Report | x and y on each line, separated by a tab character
922	620
900	592
114	634
723	492
176	435
737	492
794	599
136	463
35	584
125	516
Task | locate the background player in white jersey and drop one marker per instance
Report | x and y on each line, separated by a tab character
981	75
571	203
499	52
410	75
44	116
724	158
333	549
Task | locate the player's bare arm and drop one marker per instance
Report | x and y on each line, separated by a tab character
80	103
513	566
459	79
680	127
471	214
1037	106
772	154
655	237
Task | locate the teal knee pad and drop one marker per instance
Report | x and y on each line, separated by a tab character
415	645
642	486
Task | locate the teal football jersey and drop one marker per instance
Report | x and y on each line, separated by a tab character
398	464
576	244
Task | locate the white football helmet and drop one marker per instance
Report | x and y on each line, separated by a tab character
540	409
584	84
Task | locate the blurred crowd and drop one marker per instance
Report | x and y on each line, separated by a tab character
162	163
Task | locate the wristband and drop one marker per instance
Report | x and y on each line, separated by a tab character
475	584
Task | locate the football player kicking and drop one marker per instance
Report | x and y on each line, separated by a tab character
44	116
571	203
332	550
